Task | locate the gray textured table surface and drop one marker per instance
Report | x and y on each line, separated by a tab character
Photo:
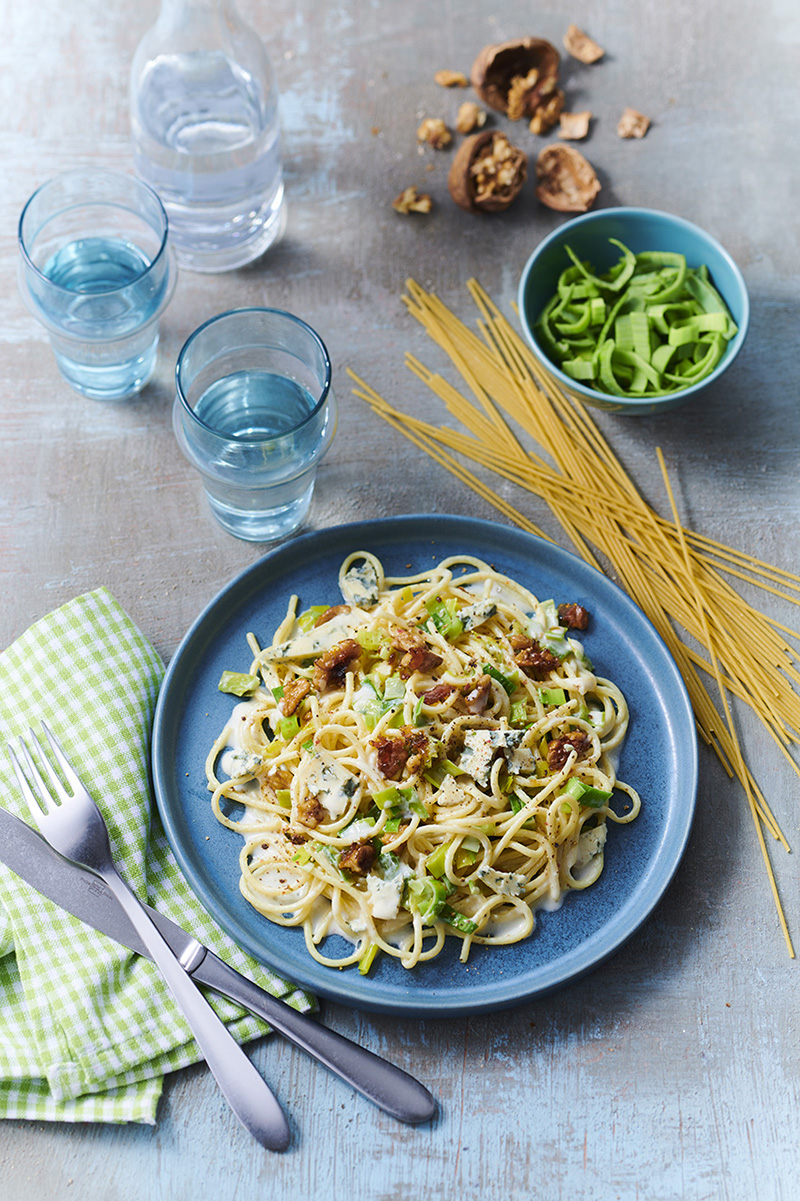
672	1071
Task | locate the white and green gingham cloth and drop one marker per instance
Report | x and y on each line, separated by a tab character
87	1028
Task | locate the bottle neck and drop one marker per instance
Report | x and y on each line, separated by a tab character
175	13
198	24
178	8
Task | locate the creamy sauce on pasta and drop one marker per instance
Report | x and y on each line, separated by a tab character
433	758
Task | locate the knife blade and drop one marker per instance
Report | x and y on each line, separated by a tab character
86	897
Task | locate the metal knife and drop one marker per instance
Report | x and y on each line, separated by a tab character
87	898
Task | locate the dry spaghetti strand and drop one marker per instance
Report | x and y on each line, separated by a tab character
671	572
741	771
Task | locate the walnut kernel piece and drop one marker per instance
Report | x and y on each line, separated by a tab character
434	131
451	79
581	46
565	181
518	91
470	117
487	173
574	126
547	113
633	124
517	78
293	694
412	201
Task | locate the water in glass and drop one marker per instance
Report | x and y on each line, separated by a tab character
271	492
255	413
96	271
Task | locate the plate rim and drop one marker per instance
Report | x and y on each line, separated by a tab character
435	1002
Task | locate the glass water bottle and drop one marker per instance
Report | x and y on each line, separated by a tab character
204	116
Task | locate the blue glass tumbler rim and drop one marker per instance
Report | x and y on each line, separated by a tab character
96	171
325	388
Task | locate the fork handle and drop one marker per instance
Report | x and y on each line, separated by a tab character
247	1093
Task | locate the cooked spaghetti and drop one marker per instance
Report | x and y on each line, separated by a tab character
433	757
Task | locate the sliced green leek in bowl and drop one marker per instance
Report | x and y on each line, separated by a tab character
632	310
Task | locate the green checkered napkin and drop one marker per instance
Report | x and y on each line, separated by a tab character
87	1028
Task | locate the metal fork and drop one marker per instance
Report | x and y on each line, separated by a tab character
74	826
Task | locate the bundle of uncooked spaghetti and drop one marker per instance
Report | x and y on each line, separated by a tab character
672	573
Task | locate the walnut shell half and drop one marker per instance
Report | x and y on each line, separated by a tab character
565	181
516	78
487	173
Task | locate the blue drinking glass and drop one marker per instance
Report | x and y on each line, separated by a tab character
96	270
255	413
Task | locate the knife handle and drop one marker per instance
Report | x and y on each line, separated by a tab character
387	1086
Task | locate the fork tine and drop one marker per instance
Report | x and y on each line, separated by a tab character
36	805
22	780
55	784
67	770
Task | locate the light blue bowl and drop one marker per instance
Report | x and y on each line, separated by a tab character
639	230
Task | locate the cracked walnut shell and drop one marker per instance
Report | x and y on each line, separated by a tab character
519	79
581	46
633	124
487	173
565	181
574	126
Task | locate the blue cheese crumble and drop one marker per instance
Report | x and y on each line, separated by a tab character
359	585
505	884
480	747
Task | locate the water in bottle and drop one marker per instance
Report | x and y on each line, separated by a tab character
204	115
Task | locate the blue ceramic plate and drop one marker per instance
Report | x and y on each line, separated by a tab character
659	758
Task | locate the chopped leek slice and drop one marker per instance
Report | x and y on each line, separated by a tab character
434	864
508	682
238	683
288	727
308	618
445	618
460	921
368	958
388	796
426	896
593	798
